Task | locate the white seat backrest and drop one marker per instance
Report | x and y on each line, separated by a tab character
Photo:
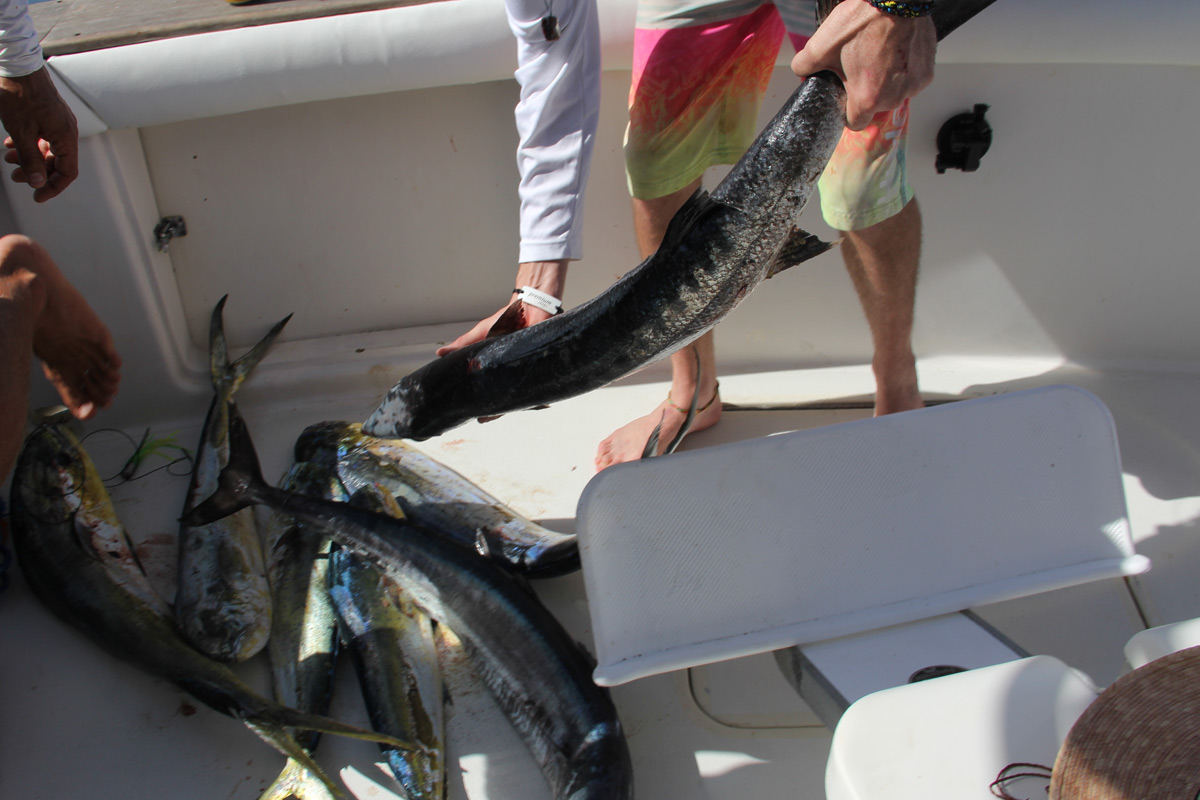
791	539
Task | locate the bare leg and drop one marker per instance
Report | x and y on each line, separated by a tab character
43	315
650	220
882	261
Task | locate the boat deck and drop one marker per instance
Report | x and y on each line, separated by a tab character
732	729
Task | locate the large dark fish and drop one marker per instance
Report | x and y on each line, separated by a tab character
438	498
61	527
716	250
540	677
223	600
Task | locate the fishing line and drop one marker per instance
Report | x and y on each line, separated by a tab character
141	451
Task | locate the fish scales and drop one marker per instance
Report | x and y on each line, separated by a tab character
716	250
302	648
395	655
223	599
56	493
540	676
438	498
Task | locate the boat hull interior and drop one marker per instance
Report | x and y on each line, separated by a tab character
358	172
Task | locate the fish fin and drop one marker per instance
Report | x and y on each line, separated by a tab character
351	622
271	722
236	483
226	376
218	350
378	500
540	407
699	205
246	364
511	320
799	246
282	741
296	783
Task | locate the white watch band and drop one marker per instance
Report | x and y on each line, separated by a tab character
539	299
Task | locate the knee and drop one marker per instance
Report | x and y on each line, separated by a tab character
16	250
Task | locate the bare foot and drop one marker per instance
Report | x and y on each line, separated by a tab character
628	442
75	347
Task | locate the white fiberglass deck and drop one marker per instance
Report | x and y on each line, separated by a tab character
726	730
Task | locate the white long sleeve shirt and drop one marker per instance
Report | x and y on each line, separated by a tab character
556	118
20	53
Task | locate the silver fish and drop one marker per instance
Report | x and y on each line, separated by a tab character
223	600
58	501
716	250
392	641
439	499
541	678
304	638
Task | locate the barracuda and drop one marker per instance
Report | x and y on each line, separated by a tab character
716	250
538	674
438	498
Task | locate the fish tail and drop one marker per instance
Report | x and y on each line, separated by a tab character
238	484
226	376
297	782
299	762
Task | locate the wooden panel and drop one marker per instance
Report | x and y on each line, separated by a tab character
74	26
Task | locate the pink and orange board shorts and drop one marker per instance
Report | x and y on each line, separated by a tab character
700	71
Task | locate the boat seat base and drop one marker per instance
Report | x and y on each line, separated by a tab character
952	736
832	674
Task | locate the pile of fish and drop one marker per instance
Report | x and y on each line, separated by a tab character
371	548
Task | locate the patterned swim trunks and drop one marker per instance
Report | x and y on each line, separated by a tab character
699	74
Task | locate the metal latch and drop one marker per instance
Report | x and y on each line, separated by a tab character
167	229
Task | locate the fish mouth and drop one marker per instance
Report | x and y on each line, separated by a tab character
392	420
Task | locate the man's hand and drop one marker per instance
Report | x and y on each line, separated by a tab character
547	276
43	137
882	59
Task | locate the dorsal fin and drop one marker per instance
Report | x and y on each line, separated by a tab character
799	246
698	206
508	322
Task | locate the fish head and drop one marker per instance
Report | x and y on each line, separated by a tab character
326	442
601	766
429	401
54	477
